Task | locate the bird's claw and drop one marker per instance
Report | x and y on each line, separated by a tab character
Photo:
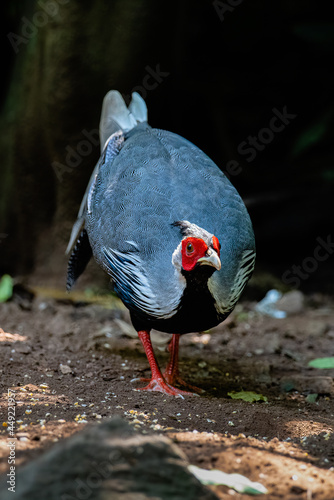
160	385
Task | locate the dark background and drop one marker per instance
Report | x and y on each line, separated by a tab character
223	72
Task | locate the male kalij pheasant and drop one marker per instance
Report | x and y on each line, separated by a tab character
167	226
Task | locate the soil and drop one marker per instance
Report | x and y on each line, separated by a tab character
70	360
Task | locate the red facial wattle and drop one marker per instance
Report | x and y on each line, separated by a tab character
216	245
192	250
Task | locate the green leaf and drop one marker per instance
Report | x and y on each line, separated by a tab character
6	288
236	481
311	398
248	396
322	363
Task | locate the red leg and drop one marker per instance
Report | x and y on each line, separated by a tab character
172	370
172	374
157	382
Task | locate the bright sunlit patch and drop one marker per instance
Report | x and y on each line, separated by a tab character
298	428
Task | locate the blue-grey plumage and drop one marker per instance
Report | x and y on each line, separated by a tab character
146	181
156	179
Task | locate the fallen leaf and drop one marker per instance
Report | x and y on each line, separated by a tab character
6	288
322	363
311	398
248	396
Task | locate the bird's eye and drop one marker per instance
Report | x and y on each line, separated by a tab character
190	248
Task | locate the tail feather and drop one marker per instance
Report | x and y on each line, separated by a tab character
79	259
138	108
116	116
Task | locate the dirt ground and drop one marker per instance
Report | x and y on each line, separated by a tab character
71	362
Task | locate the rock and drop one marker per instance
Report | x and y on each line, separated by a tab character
65	369
110	461
318	385
292	302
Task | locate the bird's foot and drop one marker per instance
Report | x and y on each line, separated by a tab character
173	379
160	385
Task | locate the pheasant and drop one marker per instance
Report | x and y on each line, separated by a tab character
169	229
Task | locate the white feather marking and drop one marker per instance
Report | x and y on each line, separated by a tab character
245	270
132	243
127	272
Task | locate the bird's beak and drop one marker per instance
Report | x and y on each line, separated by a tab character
211	259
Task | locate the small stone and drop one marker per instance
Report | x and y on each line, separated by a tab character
291	302
65	369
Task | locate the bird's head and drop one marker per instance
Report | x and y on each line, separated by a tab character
197	249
